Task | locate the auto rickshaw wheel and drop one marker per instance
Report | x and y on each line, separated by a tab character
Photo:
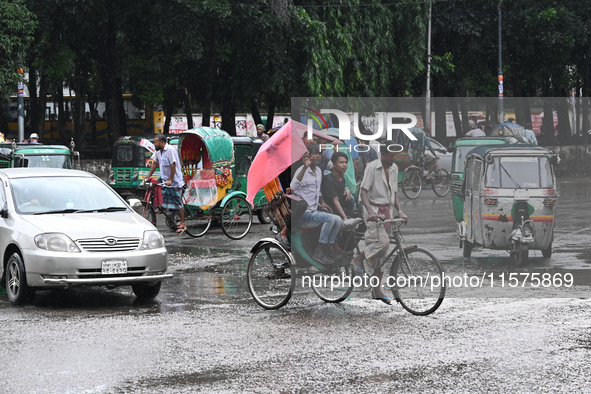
468	249
522	255
262	216
547	253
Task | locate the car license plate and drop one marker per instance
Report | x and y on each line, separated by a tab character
111	267
521	194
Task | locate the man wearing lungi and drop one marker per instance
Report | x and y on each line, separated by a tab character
167	158
378	193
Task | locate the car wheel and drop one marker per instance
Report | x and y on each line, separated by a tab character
146	291
18	291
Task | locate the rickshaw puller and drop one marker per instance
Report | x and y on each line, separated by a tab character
167	158
379	189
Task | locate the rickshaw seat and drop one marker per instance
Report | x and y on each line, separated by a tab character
305	231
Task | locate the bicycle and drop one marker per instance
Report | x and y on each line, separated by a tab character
412	182
197	223
272	272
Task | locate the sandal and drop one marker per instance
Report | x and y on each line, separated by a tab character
357	271
385	300
181	229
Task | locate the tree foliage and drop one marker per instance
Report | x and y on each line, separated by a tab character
254	55
17	24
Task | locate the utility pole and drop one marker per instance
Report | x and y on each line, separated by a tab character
427	120
501	114
21	106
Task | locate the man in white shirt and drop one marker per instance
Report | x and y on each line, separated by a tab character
306	184
529	133
476	132
167	158
379	189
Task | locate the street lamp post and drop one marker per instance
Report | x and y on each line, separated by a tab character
427	120
21	106
501	114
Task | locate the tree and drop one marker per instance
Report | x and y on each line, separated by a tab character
17	25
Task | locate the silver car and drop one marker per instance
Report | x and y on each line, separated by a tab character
62	228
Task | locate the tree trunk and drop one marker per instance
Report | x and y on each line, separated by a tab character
526	111
270	113
168	115
586	93
464	111
440	119
4	121
548	123
208	96
256	115
188	111
228	112
111	78
564	129
457	122
33	102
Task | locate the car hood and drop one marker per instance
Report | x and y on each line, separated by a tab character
92	225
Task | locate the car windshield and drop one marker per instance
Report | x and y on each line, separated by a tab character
435	145
461	152
37	195
47	161
519	172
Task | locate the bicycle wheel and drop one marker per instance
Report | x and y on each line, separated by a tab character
412	184
148	214
196	220
334	286
416	281
270	276
236	217
172	219
441	182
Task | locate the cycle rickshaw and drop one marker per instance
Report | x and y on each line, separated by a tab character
213	184
272	270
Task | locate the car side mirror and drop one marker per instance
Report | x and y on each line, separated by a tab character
4	211
135	204
442	150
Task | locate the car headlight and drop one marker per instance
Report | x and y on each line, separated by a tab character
152	240
56	242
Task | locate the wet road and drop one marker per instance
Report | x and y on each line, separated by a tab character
204	332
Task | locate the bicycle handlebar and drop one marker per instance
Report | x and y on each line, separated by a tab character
395	220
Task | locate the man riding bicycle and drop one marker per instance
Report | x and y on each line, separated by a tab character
417	150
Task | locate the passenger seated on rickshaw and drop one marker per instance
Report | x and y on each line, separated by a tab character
307	185
334	188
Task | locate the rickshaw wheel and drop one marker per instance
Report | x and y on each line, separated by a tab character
270	276
323	285
441	182
468	249
148	214
236	218
173	223
522	255
197	221
409	284
412	184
